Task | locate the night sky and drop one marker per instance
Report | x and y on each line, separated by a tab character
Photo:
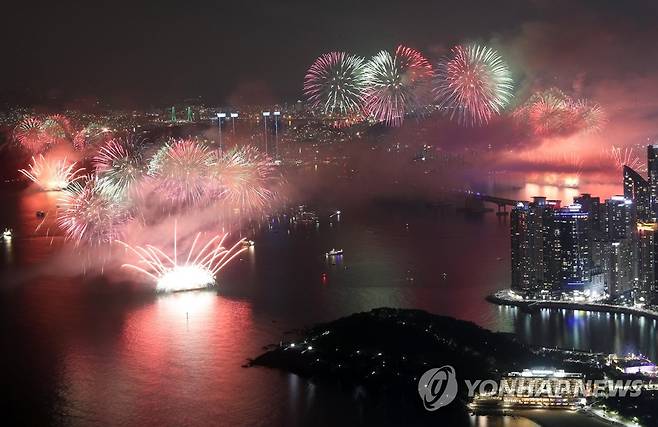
125	53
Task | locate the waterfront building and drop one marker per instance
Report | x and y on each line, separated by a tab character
522	269
590	247
652	169
618	267
647	261
571	231
551	248
536	388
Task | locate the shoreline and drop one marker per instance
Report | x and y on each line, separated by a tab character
529	306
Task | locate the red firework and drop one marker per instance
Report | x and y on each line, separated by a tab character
32	135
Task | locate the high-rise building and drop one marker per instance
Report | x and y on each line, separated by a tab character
528	234
637	189
591	205
619	218
647	261
591	246
551	248
652	169
522	267
618	267
571	228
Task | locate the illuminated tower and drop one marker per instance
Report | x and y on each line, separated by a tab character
652	169
173	114
189	114
647	261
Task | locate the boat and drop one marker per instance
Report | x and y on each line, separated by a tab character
6	234
248	243
335	252
41	214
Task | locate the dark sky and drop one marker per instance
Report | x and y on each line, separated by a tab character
132	53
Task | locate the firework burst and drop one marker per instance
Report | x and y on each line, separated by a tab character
52	175
589	117
335	83
396	84
31	134
198	270
87	215
181	170
244	178
119	166
58	128
553	113
473	84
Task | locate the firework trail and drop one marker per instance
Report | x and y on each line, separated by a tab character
335	83
626	157
396	84
244	178
181	171
120	166
52	175
198	270
473	84
87	215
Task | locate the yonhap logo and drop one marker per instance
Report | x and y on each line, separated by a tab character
438	387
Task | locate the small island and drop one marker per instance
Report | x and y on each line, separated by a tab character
383	353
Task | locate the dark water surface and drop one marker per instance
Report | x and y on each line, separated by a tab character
97	352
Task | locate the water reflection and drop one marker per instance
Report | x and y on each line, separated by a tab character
584	330
123	357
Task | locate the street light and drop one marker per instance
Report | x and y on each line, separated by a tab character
220	116
233	117
276	132
266	114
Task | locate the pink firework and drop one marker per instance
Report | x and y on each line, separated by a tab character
197	270
245	178
52	175
32	135
181	170
87	215
553	113
396	85
119	166
590	117
473	84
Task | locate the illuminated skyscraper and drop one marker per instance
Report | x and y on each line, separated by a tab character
618	267
647	232
619	218
571	228
551	248
652	169
637	189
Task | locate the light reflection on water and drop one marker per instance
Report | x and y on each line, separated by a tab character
176	359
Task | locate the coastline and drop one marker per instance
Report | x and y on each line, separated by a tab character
502	298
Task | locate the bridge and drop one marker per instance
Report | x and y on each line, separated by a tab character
475	201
